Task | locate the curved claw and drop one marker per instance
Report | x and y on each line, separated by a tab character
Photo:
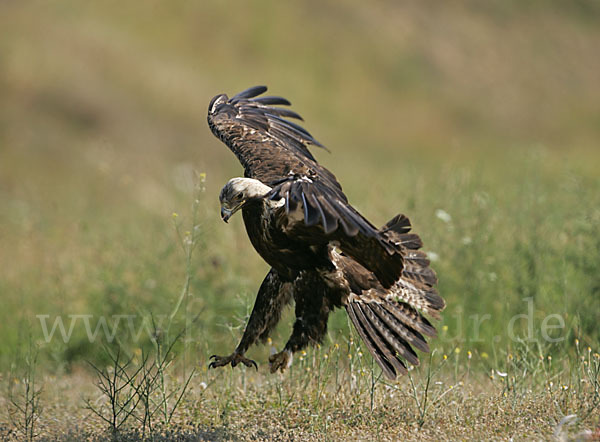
233	359
249	363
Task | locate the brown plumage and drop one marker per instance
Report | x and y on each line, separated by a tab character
324	254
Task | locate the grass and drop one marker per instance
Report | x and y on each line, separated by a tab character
478	122
333	392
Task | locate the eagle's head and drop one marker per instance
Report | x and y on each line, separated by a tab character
239	191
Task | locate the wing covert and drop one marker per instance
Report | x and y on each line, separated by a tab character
315	214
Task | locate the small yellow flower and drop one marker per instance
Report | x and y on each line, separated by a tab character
445	328
336	346
549	358
325	356
457	350
175	215
349	355
303	353
484	355
469	354
269	341
577	342
510	357
445	357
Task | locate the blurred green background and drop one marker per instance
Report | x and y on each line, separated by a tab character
479	120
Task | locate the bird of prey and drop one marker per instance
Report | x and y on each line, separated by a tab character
323	253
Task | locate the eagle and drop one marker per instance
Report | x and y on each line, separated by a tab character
323	253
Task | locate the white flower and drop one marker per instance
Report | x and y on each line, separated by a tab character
202	385
502	375
443	215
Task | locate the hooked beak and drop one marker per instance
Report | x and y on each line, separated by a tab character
225	214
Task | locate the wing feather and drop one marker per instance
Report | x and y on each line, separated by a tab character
272	100
249	93
323	213
385	357
266	142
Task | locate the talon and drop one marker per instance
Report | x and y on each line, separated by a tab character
280	361
234	359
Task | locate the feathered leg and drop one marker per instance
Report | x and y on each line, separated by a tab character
313	305
273	295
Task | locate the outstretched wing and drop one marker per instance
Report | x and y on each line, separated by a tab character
274	150
269	145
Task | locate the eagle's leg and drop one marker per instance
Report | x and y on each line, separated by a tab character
312	312
272	296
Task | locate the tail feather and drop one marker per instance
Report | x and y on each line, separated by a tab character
416	286
416	257
420	296
424	275
398	224
410	241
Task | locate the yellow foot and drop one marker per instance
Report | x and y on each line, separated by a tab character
280	361
233	359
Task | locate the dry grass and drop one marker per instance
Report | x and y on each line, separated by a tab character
328	395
